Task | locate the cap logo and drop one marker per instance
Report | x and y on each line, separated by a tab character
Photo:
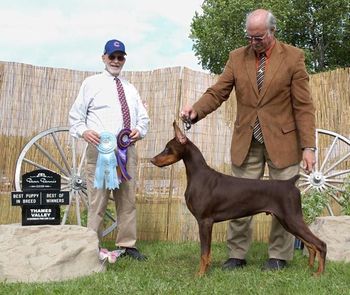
116	44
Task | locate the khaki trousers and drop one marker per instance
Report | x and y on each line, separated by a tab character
239	231
124	199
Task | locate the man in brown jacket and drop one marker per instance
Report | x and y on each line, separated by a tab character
275	124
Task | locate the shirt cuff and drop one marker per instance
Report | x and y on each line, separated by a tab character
310	149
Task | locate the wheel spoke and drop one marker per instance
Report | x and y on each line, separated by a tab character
329	209
77	208
328	153
60	150
83	197
82	160
37	165
65	178
66	211
64	187
317	151
334	187
306	189
333	196
110	216
74	156
338	173
303	183
109	229
47	154
321	188
304	175
65	182
337	163
340	181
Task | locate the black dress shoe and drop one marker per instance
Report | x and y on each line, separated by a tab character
134	254
274	264
234	263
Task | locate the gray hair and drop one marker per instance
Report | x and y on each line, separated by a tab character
271	23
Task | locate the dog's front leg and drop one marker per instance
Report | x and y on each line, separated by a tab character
205	230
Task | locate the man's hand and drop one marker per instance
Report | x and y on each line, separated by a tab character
92	137
309	160
134	135
188	113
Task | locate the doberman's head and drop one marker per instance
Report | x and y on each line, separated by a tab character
173	151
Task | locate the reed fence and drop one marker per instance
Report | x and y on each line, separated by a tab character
33	99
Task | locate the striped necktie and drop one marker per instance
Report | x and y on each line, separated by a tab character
259	80
123	104
261	70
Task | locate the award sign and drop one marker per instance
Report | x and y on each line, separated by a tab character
41	198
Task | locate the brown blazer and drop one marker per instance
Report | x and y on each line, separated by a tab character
284	106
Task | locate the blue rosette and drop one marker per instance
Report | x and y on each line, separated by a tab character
106	165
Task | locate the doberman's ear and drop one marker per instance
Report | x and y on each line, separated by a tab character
181	138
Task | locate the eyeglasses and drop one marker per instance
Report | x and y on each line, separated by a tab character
118	57
256	38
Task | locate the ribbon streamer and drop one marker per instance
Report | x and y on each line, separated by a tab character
106	172
110	256
123	141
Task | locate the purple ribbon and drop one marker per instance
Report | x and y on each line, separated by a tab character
123	141
123	138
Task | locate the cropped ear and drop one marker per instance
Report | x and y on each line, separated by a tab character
180	137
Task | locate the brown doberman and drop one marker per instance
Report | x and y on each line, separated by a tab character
213	197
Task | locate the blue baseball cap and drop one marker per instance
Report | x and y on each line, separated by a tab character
114	46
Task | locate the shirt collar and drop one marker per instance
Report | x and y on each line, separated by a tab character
269	50
108	74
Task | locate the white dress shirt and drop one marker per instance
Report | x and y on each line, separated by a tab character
97	107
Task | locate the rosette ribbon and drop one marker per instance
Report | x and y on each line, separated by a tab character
123	141
110	256
106	172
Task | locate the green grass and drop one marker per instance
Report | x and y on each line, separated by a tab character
171	269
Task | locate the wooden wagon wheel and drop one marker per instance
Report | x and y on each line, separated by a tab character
332	166
54	149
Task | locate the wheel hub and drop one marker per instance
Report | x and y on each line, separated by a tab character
77	183
317	179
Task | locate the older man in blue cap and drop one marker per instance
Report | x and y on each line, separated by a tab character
109	115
